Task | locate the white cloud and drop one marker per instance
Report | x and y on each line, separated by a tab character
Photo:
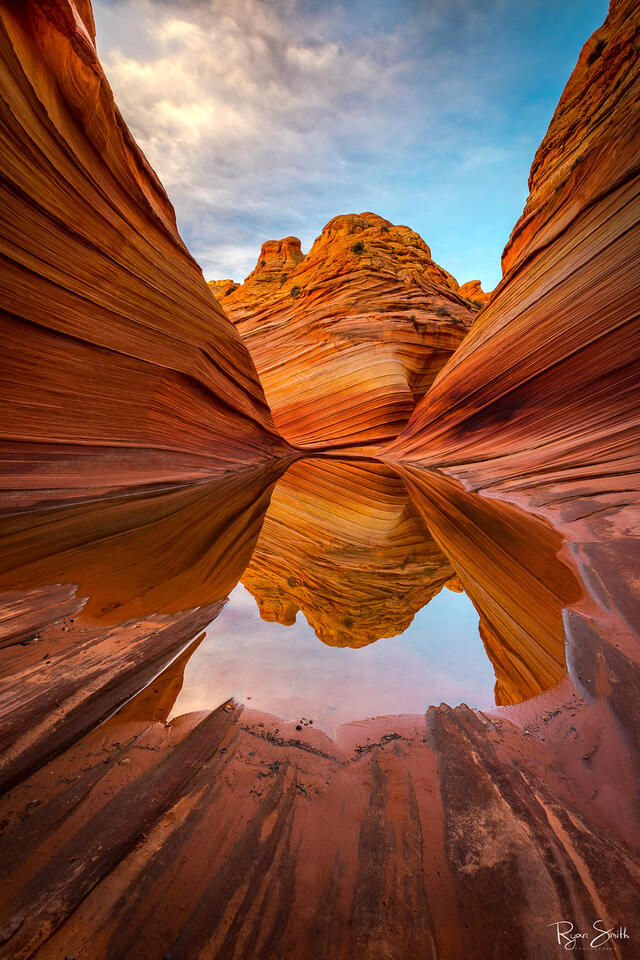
241	114
268	117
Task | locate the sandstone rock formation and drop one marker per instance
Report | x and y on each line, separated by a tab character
220	288
118	366
460	833
544	383
348	338
472	290
276	261
342	543
95	598
231	833
540	405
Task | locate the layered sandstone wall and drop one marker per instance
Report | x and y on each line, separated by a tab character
547	378
348	338
540	405
117	362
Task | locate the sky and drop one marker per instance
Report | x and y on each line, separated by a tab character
288	672
266	118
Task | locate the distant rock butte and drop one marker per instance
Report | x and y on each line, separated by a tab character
220	288
348	338
472	290
118	366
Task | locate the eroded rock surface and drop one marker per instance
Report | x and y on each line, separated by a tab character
543	390
461	833
541	405
472	290
118	366
348	338
406	838
141	834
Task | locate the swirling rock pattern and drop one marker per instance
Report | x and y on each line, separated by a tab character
540	405
117	362
348	338
343	543
455	834
545	385
231	831
228	833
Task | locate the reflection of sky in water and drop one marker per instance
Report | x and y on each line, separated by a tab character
288	672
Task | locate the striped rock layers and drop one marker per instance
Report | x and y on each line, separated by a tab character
118	366
348	338
547	379
229	833
343	543
541	405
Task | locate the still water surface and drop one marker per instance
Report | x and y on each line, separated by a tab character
354	590
287	671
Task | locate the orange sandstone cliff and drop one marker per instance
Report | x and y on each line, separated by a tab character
472	290
118	366
348	338
459	833
546	382
540	405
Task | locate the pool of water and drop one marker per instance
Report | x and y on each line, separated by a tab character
289	672
350	589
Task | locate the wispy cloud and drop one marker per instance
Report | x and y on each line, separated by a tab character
267	118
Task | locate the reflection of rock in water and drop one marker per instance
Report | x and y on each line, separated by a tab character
97	597
231	834
160	552
507	563
343	543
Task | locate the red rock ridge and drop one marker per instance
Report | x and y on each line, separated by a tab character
541	405
115	353
546	377
348	338
220	288
472	290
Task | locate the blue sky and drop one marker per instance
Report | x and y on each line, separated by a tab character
265	118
